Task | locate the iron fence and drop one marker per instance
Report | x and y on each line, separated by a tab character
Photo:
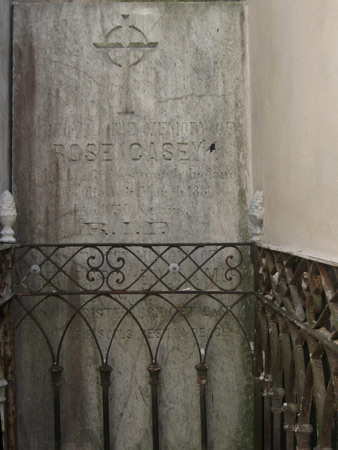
295	361
296	351
128	275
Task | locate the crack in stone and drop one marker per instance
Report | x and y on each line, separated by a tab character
173	99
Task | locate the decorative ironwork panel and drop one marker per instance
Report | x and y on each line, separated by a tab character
296	351
132	268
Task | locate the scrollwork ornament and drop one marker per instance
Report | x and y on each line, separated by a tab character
92	278
116	270
232	273
95	274
229	264
120	278
92	258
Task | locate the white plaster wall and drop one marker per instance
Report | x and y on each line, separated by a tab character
294	97
4	93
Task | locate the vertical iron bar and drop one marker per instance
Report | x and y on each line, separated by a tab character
255	265
267	419
258	385
154	375
258	413
290	413
277	395
105	371
303	434
202	371
258	363
56	371
3	440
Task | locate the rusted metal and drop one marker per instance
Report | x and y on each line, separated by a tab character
154	379
277	395
296	329
296	325
202	379
8	422
56	372
258	363
105	373
290	411
267	422
295	337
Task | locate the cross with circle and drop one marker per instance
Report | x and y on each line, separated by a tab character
125	46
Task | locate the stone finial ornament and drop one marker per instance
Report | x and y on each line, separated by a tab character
256	215
7	216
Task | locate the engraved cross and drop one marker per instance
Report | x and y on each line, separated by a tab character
125	46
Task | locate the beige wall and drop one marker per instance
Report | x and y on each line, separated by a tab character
4	93
294	99
294	103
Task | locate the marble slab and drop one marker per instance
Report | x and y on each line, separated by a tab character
130	126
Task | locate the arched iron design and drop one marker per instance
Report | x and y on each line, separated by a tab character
178	276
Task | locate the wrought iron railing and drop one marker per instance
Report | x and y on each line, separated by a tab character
128	268
296	351
179	276
296	324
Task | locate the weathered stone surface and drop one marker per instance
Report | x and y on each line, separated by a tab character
116	139
117	110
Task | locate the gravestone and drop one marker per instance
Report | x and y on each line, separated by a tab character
129	126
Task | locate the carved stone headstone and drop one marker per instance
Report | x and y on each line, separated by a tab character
129	126
116	115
